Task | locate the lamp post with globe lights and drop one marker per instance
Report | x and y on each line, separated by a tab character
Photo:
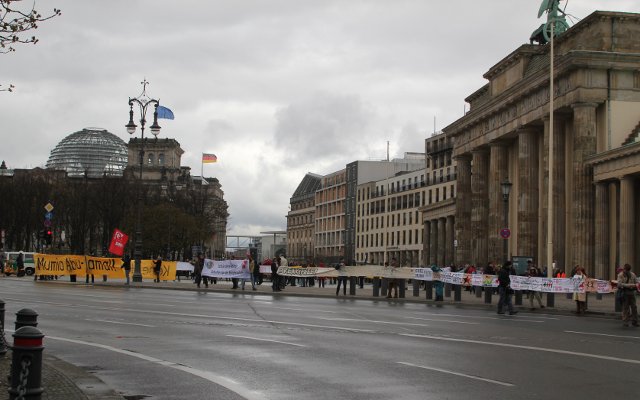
144	102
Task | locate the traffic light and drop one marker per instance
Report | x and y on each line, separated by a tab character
48	236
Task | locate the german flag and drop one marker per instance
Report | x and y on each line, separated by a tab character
209	158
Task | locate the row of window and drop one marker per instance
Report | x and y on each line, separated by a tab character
151	159
400	219
405	237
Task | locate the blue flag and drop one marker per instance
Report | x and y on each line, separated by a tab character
164	112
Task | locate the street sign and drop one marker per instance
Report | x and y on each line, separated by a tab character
47	223
49	207
505	233
48	215
455	243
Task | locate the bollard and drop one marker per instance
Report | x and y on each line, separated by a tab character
26	317
429	289
550	300
488	291
72	278
26	364
402	287
518	298
599	296
352	285
618	304
478	290
3	348
385	286
376	287
416	288
457	293
447	290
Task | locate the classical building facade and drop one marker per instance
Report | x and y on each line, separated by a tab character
438	208
506	136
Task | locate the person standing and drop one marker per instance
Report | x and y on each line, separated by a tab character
437	284
627	281
275	284
393	283
252	267
534	272
257	276
342	279
580	298
197	271
126	266
157	266
504	288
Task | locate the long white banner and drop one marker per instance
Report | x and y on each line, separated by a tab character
550	285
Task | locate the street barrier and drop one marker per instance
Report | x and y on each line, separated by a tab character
26	364
26	317
3	342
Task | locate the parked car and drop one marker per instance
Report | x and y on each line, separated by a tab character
11	267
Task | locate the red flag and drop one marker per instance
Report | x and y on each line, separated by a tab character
118	242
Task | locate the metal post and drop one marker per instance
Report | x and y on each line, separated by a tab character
3	348
416	288
376	287
550	300
518	296
385	286
352	285
26	364
457	293
447	290
402	287
488	291
26	317
429	290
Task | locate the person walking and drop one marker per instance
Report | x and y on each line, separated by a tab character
534	272
197	272
627	281
157	267
126	266
504	288
580	298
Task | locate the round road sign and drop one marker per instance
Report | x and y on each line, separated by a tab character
505	233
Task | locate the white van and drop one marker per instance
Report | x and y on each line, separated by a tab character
10	267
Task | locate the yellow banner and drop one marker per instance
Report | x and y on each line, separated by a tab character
51	264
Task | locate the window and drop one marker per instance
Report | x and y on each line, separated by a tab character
150	159
161	159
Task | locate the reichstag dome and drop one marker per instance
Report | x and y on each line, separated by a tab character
93	151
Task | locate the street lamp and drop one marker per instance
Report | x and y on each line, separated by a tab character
506	190
143	101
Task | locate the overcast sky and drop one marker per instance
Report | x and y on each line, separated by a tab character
275	88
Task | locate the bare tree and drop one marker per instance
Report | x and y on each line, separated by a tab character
16	22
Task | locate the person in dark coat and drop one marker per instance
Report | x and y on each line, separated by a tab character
504	288
126	266
275	284
157	266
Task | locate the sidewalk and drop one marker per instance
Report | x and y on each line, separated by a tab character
63	381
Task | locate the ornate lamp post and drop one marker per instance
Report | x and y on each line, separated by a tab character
143	101
506	190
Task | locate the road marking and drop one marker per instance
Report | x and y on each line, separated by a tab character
444	320
603	334
120	323
371	321
517	346
458	374
479	317
267	340
210	376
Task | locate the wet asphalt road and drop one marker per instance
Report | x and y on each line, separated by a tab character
168	344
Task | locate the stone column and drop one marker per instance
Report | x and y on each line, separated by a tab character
479	210
602	232
497	174
449	249
527	193
463	210
613	229
433	243
441	241
426	247
627	220
584	145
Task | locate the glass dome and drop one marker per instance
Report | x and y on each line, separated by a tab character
92	150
